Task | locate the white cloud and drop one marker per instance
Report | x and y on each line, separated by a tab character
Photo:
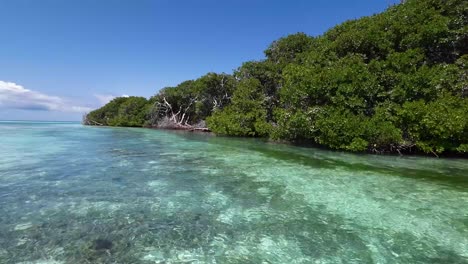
105	98
15	96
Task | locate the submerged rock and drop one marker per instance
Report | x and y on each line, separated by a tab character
101	244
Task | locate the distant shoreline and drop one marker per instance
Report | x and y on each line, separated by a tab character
39	121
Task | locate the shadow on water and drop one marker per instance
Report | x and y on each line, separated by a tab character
455	177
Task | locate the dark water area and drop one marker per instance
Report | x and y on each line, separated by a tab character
75	194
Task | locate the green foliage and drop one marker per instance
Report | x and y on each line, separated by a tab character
341	129
295	125
213	91
463	148
286	49
395	81
382	83
438	125
246	115
267	72
121	111
194	99
345	82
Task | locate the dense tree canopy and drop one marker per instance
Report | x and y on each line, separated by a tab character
392	82
247	113
122	111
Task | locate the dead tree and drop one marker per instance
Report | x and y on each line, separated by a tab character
174	118
219	102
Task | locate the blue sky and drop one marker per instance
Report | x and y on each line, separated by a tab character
60	58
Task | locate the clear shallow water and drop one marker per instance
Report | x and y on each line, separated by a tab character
74	194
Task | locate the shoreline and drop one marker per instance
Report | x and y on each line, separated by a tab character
305	143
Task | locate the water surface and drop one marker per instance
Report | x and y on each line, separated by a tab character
74	194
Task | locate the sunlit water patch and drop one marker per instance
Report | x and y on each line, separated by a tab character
74	194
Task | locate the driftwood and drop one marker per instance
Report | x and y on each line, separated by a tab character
168	123
200	129
94	123
87	121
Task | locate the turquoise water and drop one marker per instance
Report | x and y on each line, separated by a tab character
74	194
